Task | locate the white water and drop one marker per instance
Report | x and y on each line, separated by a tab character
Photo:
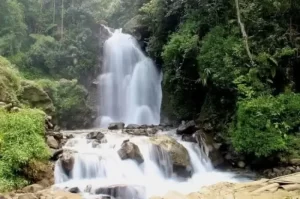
130	84
102	167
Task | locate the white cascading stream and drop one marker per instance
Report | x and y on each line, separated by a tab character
130	84
102	167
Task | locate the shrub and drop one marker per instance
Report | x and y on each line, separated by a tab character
70	101
9	81
266	125
21	141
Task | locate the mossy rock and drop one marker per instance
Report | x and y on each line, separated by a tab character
34	96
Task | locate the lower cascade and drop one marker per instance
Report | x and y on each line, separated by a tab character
114	164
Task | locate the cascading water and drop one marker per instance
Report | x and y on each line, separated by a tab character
130	84
101	168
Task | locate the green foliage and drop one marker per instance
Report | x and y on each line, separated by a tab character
70	101
220	59
265	125
22	140
9	81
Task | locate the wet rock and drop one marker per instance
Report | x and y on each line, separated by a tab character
52	142
32	188
241	164
187	128
74	190
95	135
178	154
130	151
132	126
116	126
67	162
123	191
56	154
208	146
136	132
189	138
57	135
151	131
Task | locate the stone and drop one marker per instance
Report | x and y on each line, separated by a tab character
178	154
188	138
116	126
32	188
123	191
74	190
56	154
52	142
95	135
67	162
27	196
295	161
15	109
207	145
130	150
174	195
241	164
132	126
57	135
136	132
187	128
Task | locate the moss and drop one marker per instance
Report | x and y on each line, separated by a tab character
21	141
9	81
34	96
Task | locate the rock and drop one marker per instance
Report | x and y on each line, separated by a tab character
2	104
34	96
95	135
188	138
132	126
295	161
116	126
174	195
178	154
15	109
27	196
52	143
56	154
57	135
32	188
241	164
136	132
151	131
123	191
130	151
74	190
2	197
207	145
67	162
188	128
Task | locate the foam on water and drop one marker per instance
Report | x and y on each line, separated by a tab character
102	167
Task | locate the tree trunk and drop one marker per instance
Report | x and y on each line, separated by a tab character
245	36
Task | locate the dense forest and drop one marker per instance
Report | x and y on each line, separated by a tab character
231	65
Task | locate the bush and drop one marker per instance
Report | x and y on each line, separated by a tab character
21	141
9	81
70	101
266	125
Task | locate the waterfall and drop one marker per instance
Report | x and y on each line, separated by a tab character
130	84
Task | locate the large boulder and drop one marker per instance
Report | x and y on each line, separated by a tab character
130	151
116	126
67	161
209	148
32	188
187	128
178	154
123	191
34	96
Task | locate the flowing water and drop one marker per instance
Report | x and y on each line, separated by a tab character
130	84
130	91
102	167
